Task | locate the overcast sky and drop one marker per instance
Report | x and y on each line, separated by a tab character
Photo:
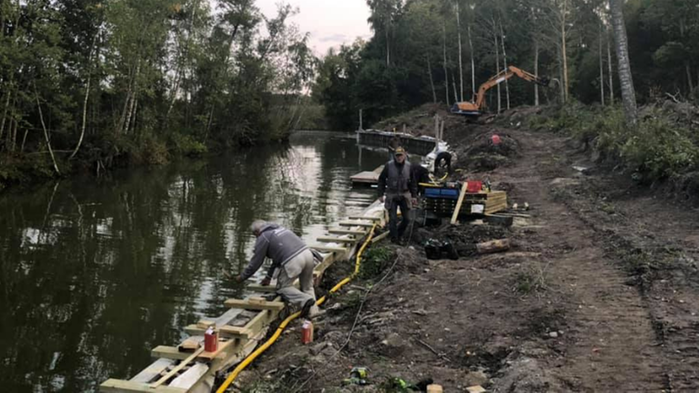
330	22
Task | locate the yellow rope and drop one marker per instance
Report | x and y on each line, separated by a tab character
293	316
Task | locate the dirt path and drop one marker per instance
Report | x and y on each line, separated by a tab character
600	294
610	343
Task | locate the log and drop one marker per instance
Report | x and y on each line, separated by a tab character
493	246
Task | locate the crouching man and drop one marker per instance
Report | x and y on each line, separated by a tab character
294	260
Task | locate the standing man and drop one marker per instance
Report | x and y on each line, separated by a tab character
398	184
294	260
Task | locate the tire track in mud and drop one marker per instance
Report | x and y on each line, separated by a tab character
610	345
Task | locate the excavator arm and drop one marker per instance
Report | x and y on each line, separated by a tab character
475	107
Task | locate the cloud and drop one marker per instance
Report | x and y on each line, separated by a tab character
335	38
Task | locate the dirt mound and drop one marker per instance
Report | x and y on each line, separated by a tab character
481	153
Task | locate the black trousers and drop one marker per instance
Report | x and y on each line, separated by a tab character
396	230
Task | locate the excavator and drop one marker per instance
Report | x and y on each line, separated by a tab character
475	108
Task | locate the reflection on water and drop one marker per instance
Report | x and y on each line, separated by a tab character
95	274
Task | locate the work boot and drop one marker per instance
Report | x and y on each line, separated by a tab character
315	312
307	308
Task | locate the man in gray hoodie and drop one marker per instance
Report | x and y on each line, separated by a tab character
292	257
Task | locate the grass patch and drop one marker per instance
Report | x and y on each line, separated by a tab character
531	279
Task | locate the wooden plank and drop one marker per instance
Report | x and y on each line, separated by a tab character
340	231
327	248
455	216
367	177
121	386
222	347
227	331
355	224
330	239
364	218
261	320
228	316
238	332
262	288
205	324
177	368
190	377
246	304
152	371
380	237
164	351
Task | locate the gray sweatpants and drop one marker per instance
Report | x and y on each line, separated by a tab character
301	267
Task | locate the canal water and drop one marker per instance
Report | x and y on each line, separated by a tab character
95	273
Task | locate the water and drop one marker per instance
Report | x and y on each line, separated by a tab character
94	274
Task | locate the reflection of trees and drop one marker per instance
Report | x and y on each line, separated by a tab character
108	271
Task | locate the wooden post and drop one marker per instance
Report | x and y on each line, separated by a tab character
361	121
436	129
455	216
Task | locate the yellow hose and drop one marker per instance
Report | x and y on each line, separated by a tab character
293	316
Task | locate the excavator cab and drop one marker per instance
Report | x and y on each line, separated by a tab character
466	108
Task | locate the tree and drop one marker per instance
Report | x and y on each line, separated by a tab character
628	93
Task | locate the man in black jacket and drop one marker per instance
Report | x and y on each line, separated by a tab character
398	184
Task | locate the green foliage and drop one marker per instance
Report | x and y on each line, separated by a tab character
374	261
186	145
656	149
148	76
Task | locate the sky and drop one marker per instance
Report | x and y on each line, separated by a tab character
330	23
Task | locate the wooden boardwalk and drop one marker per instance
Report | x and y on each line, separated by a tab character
367	177
241	328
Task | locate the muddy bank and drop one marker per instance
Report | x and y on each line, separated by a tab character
598	293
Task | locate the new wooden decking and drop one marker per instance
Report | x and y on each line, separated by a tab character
241	328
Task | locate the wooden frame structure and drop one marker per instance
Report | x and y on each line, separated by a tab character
241	328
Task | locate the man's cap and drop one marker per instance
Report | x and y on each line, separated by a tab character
399	150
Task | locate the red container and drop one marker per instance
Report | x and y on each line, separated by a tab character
307	332
474	186
211	340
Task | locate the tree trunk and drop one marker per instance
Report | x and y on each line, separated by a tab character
4	112
688	68
46	133
13	136
446	71
564	51
453	82
611	73
497	68
429	71
461	67
601	69
129	113
388	49
628	93
504	59
82	131
536	72
473	63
